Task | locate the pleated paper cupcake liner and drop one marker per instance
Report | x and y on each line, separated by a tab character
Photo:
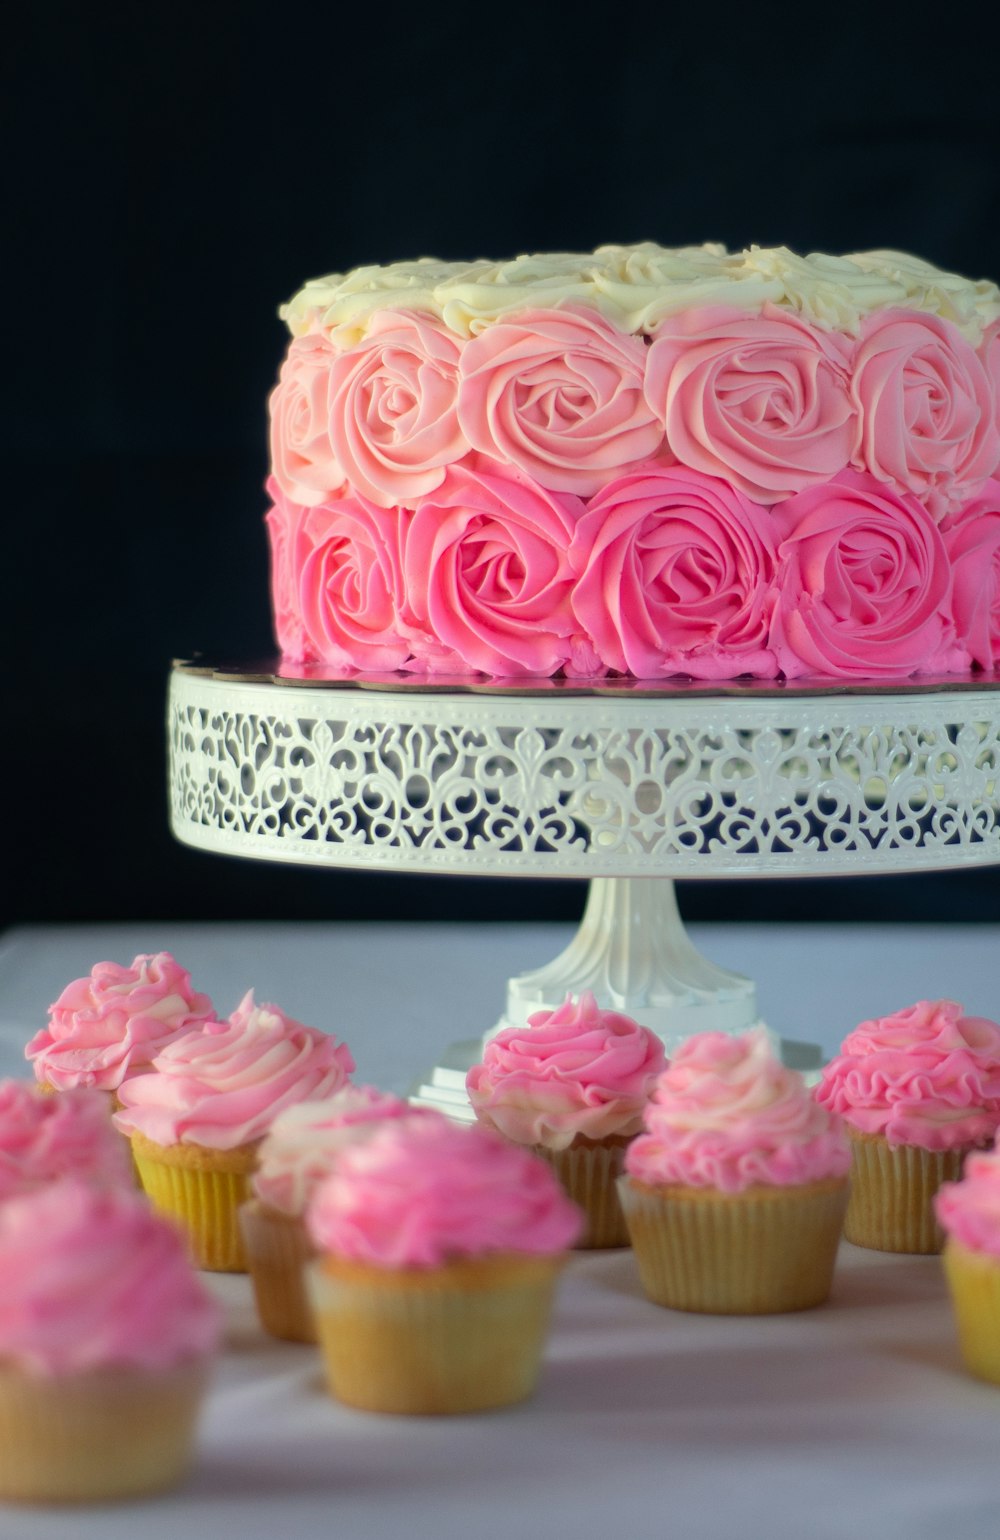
761	1252
277	1249
96	1436
204	1199
589	1172
892	1194
974	1284
464	1337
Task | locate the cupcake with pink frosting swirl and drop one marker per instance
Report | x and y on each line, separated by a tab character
113	1023
918	1090
197	1121
300	1149
106	1335
573	1084
735	1193
439	1248
44	1138
969	1213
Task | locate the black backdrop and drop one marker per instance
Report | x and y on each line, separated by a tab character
172	175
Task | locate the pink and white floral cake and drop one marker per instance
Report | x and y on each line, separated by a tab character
643	461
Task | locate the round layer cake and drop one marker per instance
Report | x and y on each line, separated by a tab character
641	462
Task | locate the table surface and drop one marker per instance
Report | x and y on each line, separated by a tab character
853	1420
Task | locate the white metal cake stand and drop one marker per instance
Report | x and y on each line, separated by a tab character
629	785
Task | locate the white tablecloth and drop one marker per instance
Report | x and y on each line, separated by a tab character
843	1423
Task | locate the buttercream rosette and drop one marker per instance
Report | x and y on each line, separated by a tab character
114	1021
918	1090
735	1193
573	1085
105	1339
969	1214
299	1150
197	1121
439	1248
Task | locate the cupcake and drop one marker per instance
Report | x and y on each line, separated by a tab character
298	1152
969	1213
440	1245
735	1194
113	1023
43	1138
196	1122
917	1090
105	1340
572	1084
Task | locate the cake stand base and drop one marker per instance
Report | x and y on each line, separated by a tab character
633	953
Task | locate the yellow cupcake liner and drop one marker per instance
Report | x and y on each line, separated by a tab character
892	1194
974	1284
277	1249
99	1435
589	1170
464	1337
202	1190
760	1252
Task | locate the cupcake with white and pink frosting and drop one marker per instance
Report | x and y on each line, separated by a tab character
918	1090
44	1138
439	1247
969	1213
299	1151
106	1335
197	1121
112	1023
573	1085
735	1193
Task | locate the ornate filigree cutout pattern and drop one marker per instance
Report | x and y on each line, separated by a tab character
586	786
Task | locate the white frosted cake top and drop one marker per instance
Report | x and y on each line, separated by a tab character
636	286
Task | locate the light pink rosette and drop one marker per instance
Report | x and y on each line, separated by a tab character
304	1142
972	541
559	394
44	1137
425	1191
224	1085
113	1023
346	585
863	584
676	576
927	1075
393	418
303	458
727	1114
926	409
487	576
762	401
969	1210
93	1279
289	547
574	1070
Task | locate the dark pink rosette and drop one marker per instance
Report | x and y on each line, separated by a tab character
303	460
972	541
863	584
488	579
926	409
676	576
289	549
559	395
347	577
762	401
393	419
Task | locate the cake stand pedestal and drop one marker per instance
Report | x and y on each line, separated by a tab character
628	785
